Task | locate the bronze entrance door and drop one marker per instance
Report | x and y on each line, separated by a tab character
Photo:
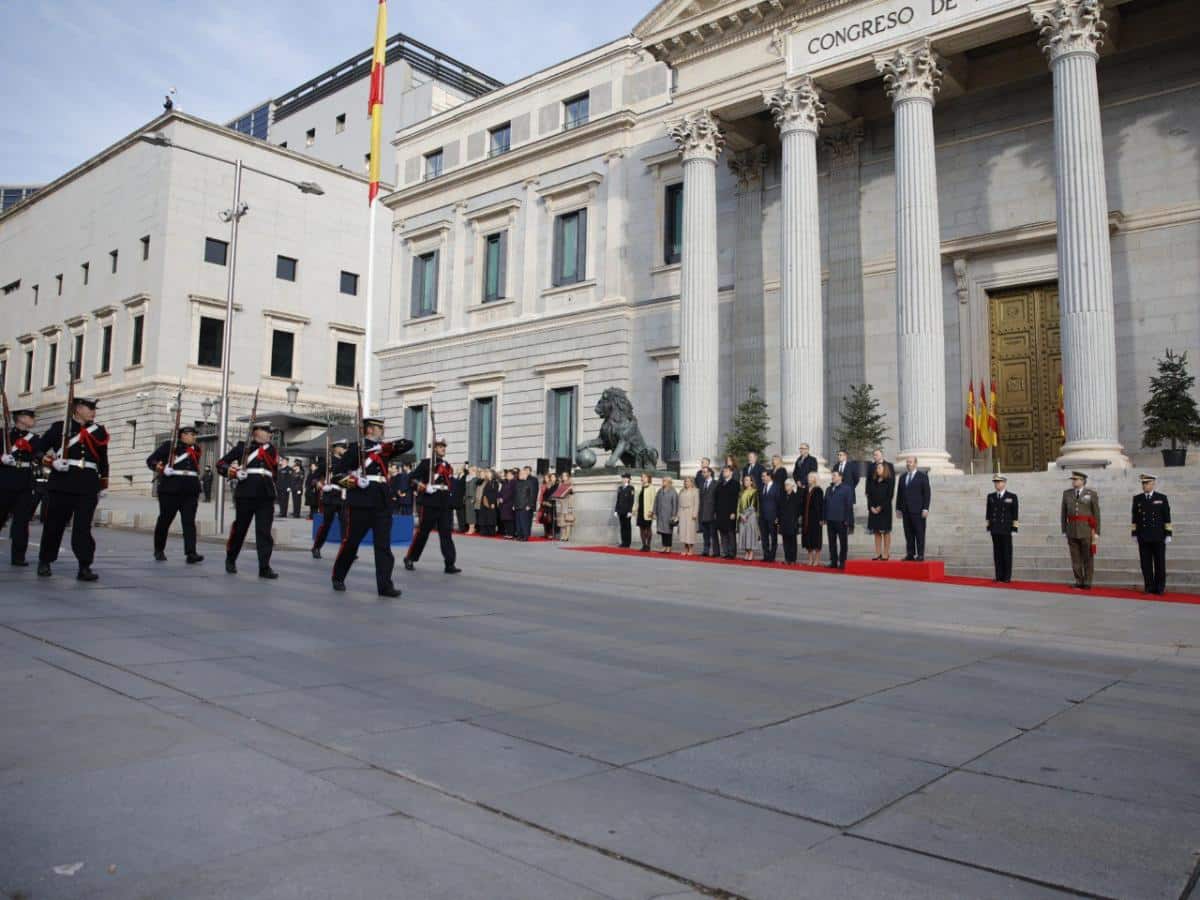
1026	365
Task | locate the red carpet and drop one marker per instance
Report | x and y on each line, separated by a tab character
933	572
533	539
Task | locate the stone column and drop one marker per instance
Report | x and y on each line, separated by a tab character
799	112
747	368
701	141
912	78
1071	34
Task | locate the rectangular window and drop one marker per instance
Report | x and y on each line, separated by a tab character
146	247
339	124
482	441
367	161
285	268
216	251
139	329
495	269
673	224
310	137
670	418
35	295
51	364
212	341
433	164
575	112
570	248
425	284
349	284
346	365
28	383
112	256
4	375
560	424
414	429
59	279
106	349
500	139
85	270
283	345
76	360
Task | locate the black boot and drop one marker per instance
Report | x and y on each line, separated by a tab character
339	585
159	556
316	552
408	564
20	563
268	573
44	570
193	558
86	574
452	570
389	591
230	566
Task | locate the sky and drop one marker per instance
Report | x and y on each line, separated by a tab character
77	75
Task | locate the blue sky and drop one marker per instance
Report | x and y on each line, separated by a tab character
76	75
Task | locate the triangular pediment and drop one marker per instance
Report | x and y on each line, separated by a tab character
676	26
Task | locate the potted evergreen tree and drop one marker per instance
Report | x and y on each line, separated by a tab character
863	426
1171	415
749	430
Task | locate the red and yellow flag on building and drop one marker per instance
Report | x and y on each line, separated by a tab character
1062	410
993	424
969	422
981	422
375	103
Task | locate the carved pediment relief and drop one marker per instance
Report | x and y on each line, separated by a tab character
678	28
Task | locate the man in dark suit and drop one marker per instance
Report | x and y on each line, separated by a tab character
849	472
623	510
805	463
707	488
705	463
1152	530
768	517
877	459
754	469
912	502
839	515
728	491
1003	514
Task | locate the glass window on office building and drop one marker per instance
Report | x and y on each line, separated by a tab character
113	254
575	112
349	284
285	268
216	251
500	139
345	364
425	284
495	267
570	248
414	429
670	418
673	224
339	124
51	364
560	423
76	360
27	384
283	347
211	344
433	164
482	438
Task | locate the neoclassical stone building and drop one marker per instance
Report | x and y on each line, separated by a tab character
799	197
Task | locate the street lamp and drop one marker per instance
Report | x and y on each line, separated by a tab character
232	216
206	408
293	391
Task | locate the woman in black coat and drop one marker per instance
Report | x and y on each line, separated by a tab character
789	520
881	489
488	516
812	517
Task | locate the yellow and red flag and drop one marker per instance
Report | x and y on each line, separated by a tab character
1062	410
981	422
969	423
993	424
375	103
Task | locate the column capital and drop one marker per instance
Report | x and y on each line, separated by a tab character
911	72
796	106
1068	26
748	166
698	135
842	142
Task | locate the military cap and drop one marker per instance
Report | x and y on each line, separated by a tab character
188	429
372	421
340	442
999	477
89	402
1146	476
1080	475
262	424
440	442
24	412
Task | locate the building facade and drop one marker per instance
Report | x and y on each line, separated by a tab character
800	198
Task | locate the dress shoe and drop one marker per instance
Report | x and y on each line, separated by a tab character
86	574
44	570
833	566
452	570
20	563
268	573
159	556
230	567
390	592
316	552
909	559
339	585
408	564
919	559
193	558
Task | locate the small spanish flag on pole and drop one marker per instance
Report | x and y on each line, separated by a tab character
375	109
969	424
1062	410
993	423
981	422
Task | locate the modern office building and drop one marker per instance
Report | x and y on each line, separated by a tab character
802	197
12	194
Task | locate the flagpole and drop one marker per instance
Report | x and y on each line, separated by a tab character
369	336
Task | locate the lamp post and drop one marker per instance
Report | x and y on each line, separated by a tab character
233	216
293	392
206	408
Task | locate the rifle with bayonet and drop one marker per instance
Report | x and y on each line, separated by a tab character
249	433
7	417
351	480
175	434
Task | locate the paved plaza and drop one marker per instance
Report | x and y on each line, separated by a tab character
560	725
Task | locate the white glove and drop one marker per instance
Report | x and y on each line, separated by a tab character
617	514
168	471
59	465
1168	539
8	459
361	481
242	475
431	488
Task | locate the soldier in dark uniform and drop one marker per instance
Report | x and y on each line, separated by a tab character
1080	519
369	505
17	499
178	491
623	510
1003	521
254	497
1152	530
74	487
332	496
434	478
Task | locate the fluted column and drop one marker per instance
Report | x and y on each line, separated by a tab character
701	141
1071	34
912	78
798	113
749	317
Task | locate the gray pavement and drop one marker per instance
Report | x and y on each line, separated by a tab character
554	724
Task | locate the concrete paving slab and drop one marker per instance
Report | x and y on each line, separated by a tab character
207	679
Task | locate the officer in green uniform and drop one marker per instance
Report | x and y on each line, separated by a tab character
1081	526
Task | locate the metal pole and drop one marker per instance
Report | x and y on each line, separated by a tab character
369	335
227	348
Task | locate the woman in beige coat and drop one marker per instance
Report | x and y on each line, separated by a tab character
689	515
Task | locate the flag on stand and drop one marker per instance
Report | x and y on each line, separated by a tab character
993	424
981	422
1062	410
375	102
969	424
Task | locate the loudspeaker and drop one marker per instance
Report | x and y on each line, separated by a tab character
562	464
543	466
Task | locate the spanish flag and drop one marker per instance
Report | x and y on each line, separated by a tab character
981	422
375	103
1062	410
993	424
969	423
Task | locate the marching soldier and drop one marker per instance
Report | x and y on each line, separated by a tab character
254	497
1002	523
178	468
17	499
368	508
1152	530
332	496
78	477
1080	519
433	478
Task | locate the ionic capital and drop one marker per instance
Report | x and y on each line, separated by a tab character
911	72
698	135
1069	26
796	106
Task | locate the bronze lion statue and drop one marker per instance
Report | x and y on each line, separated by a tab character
619	434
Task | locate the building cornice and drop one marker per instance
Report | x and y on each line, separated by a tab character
285	316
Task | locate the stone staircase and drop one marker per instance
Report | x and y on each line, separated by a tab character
956	527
